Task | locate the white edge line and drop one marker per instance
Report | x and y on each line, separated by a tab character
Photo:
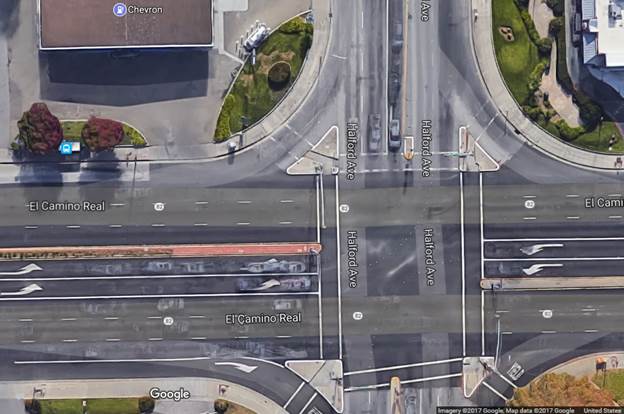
463	262
309	402
187	295
417	364
292	397
338	241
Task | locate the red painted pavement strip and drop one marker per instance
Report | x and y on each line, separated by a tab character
180	250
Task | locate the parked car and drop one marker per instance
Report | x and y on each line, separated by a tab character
159	266
256	38
275	266
248	284
374	132
287	304
394	137
296	284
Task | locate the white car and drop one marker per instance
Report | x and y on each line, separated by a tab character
286	304
256	38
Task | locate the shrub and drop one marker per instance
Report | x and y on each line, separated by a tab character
295	25
101	134
522	4
39	130
557	6
32	406
146	405
589	111
543	44
306	44
535	78
568	133
221	406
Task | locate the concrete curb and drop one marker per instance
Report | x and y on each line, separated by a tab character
485	55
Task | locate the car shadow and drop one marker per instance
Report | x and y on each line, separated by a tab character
9	16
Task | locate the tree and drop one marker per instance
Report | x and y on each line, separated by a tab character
102	134
561	390
32	406
279	75
146	405
221	406
40	131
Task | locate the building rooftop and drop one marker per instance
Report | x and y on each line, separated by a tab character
609	24
90	24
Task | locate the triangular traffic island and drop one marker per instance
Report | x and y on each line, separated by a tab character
321	158
326	377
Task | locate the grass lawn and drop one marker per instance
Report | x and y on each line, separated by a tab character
95	406
61	406
591	141
251	95
516	59
614	383
72	130
113	405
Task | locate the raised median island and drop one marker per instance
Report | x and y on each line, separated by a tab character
261	86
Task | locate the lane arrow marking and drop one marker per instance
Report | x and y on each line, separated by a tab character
536	268
23	271
268	284
23	291
247	369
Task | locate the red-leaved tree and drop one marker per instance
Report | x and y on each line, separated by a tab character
39	130
102	134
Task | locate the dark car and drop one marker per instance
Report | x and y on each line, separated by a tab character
394	137
374	132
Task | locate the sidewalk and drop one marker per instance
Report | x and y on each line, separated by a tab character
586	365
509	109
553	283
201	390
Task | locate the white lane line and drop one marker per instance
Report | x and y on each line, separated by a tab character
502	311
338	242
506	332
589	310
130	277
548	332
482	264
529	196
154	339
112	339
320	307
31	227
590	330
287	201
308	403
559	239
529	218
572	218
318	208
200	224
552	259
73	226
290	336
416	364
507	380
362	20
494	391
243	223
572	195
615	195
68	319
463	262
27	341
118	204
201	203
285	223
111	318
198	338
115	226
158	225
154	317
615	217
196	317
241	337
244	202
70	340
186	295
25	320
339	57
292	397
410	381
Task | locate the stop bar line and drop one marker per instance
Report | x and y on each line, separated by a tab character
417	364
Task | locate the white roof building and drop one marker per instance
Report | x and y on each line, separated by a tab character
603	33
